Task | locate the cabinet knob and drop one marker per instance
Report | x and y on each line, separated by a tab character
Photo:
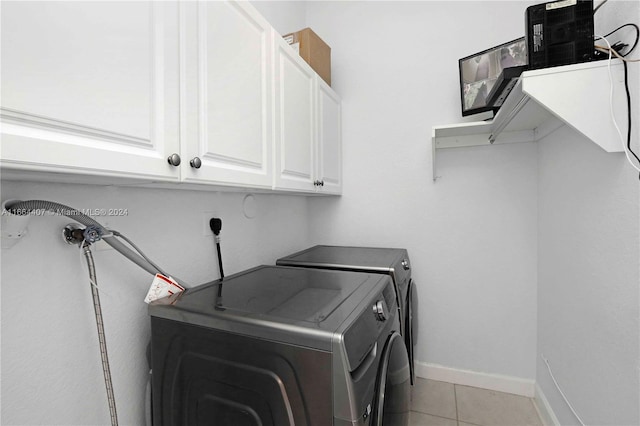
196	163
322	182
174	159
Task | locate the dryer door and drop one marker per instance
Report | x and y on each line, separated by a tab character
409	326
392	397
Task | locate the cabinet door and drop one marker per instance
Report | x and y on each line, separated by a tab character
226	89
295	121
90	87
329	140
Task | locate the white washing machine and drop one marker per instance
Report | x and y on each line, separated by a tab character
281	346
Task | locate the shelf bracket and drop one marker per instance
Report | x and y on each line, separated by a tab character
504	123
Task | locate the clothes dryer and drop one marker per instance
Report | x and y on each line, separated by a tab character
393	262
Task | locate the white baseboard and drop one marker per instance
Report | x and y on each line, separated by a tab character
544	409
496	382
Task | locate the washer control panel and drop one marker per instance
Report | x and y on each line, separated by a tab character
377	314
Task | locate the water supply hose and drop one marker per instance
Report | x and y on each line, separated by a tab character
22	208
106	370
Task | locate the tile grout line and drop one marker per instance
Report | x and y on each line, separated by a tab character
459	422
415	410
433	415
455	399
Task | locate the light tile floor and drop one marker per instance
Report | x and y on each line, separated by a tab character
436	403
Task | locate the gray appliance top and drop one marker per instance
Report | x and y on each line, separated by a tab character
348	258
300	306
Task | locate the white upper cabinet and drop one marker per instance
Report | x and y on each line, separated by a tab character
204	92
329	122
308	138
226	94
90	88
294	91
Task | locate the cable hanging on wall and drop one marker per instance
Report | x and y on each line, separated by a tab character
611	50
614	50
546	361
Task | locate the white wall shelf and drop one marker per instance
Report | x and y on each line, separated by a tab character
541	102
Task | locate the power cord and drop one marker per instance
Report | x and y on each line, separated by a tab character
615	49
611	51
599	6
546	361
216	226
621	27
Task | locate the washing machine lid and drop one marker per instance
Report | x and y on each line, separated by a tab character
348	258
305	305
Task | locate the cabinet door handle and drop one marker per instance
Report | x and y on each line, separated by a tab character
174	160
196	163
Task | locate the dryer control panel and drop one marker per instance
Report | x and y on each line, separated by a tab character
379	310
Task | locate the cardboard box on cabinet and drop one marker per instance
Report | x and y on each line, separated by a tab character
313	50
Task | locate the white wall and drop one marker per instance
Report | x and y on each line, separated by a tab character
589	266
285	16
588	281
50	358
472	235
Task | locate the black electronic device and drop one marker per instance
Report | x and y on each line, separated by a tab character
559	33
503	86
480	72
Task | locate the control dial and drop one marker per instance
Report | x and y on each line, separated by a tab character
405	264
379	311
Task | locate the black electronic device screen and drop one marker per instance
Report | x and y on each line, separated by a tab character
480	71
